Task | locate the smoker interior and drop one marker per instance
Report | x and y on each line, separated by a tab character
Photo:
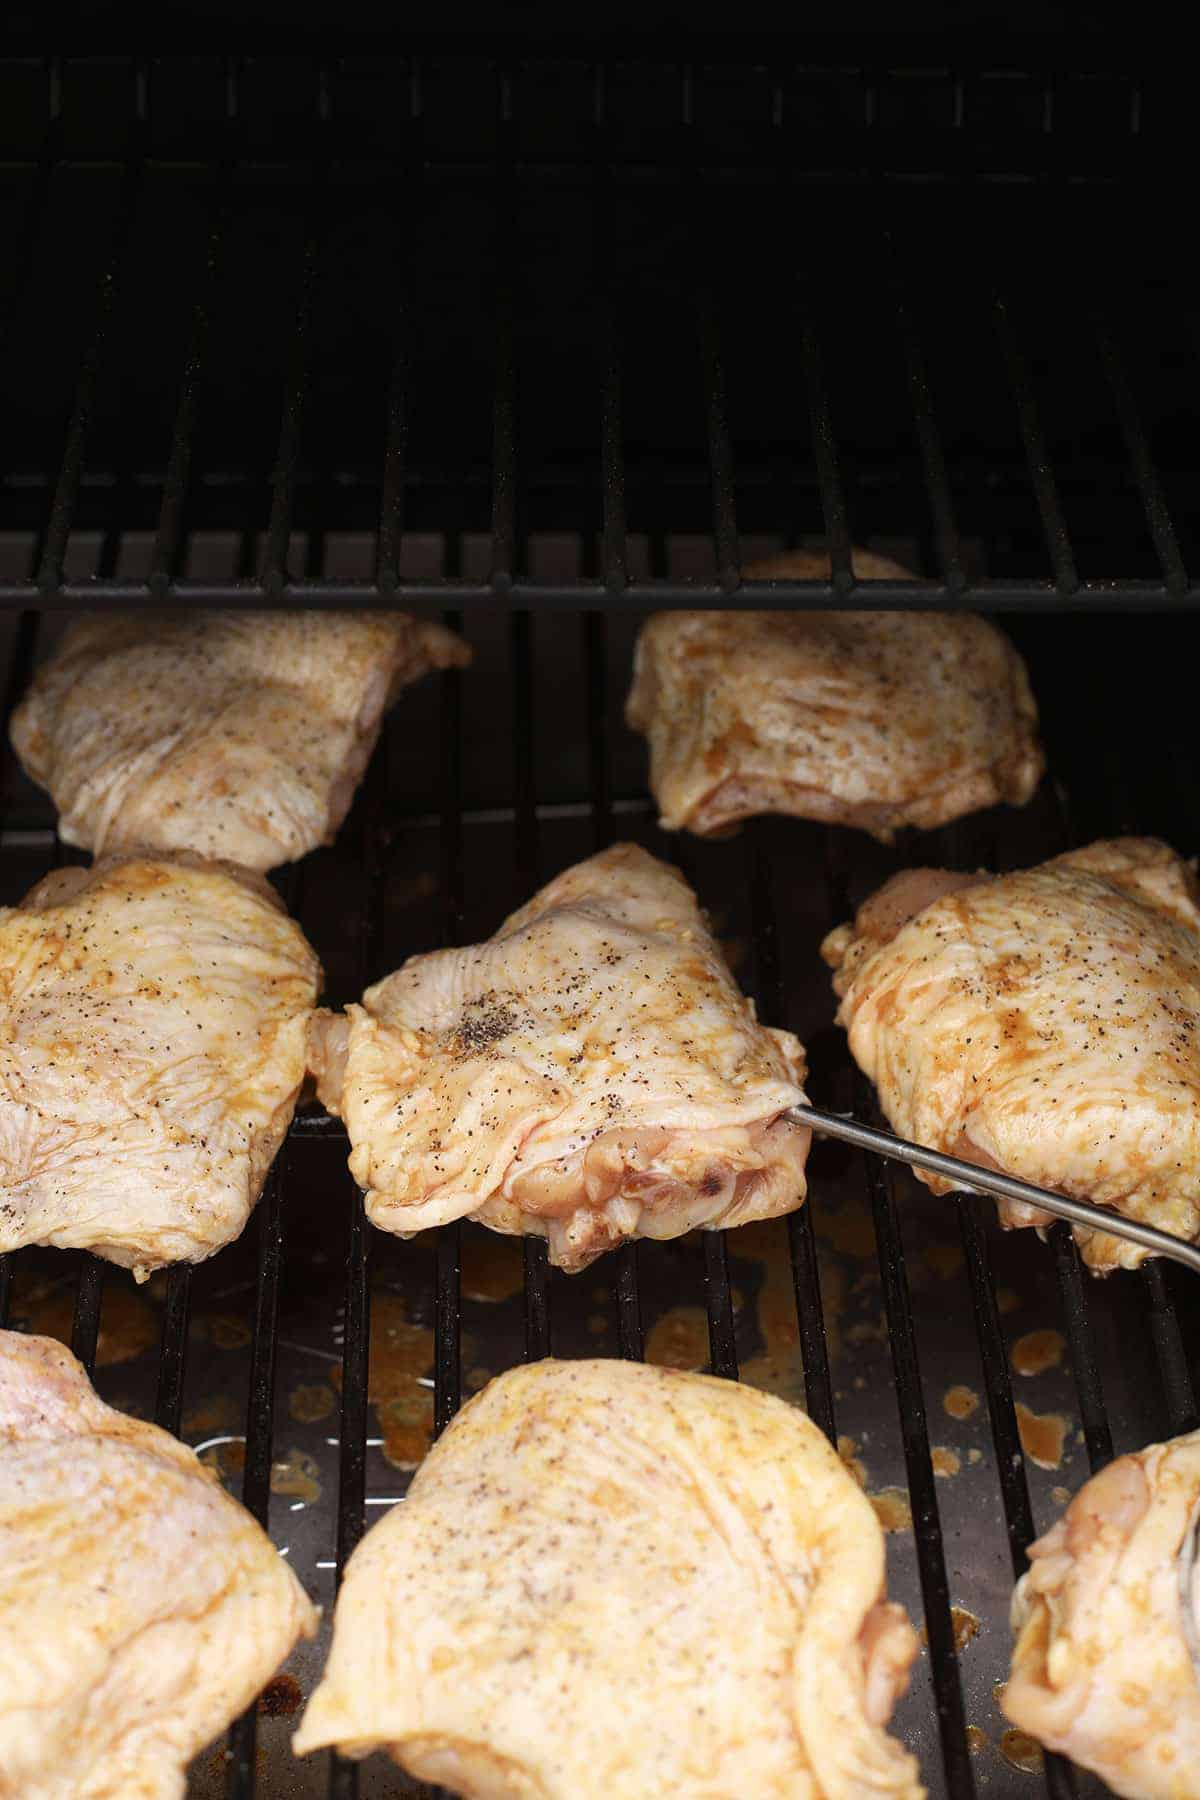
549	343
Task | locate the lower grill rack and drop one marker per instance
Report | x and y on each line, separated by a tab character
969	1377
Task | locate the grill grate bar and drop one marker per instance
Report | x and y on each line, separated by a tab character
66	491
352	1451
169	537
1041	472
802	1243
447	1376
19	671
1084	1362
720	451
283	481
1149	484
89	1298
929	439
718	1298
927	1528
825	456
1010	1461
260	1420
1168	1346
168	1399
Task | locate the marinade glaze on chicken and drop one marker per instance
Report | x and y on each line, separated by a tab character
1046	1023
153	1028
870	719
239	735
613	1579
1103	1670
141	1609
591	1073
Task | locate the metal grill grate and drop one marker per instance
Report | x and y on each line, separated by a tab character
639	519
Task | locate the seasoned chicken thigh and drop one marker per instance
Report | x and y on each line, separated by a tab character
153	1027
1046	1023
1102	1669
611	1580
240	735
875	720
591	1073
141	1609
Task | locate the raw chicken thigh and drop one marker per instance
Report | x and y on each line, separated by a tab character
870	719
141	1609
1103	1669
1046	1023
612	1579
153	1027
591	1073
240	735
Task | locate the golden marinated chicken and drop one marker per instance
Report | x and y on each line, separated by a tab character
875	720
1046	1023
141	1609
590	1074
240	735
153	1028
1102	1669
613	1579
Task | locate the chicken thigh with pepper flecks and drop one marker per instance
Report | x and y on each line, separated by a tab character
870	719
239	735
610	1579
153	1029
590	1074
141	1608
1045	1023
1104	1667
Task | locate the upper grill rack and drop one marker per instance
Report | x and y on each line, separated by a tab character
646	159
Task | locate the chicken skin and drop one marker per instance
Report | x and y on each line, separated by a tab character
590	1074
1046	1023
1103	1669
612	1579
141	1609
875	720
239	735
153	1028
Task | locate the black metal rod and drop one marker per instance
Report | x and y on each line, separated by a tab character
1085	1364
825	456
802	1243
6	1284
169	536
537	1298
391	504
447	1372
66	491
970	1178
526	845
595	649
172	1358
1168	1346
720	452
334	593
1006	1437
612	464
353	1433
356	1350
929	441
718	1299
287	455
1149	484
89	1296
1010	1461
1041	472
630	1337
927	1528
260	1420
